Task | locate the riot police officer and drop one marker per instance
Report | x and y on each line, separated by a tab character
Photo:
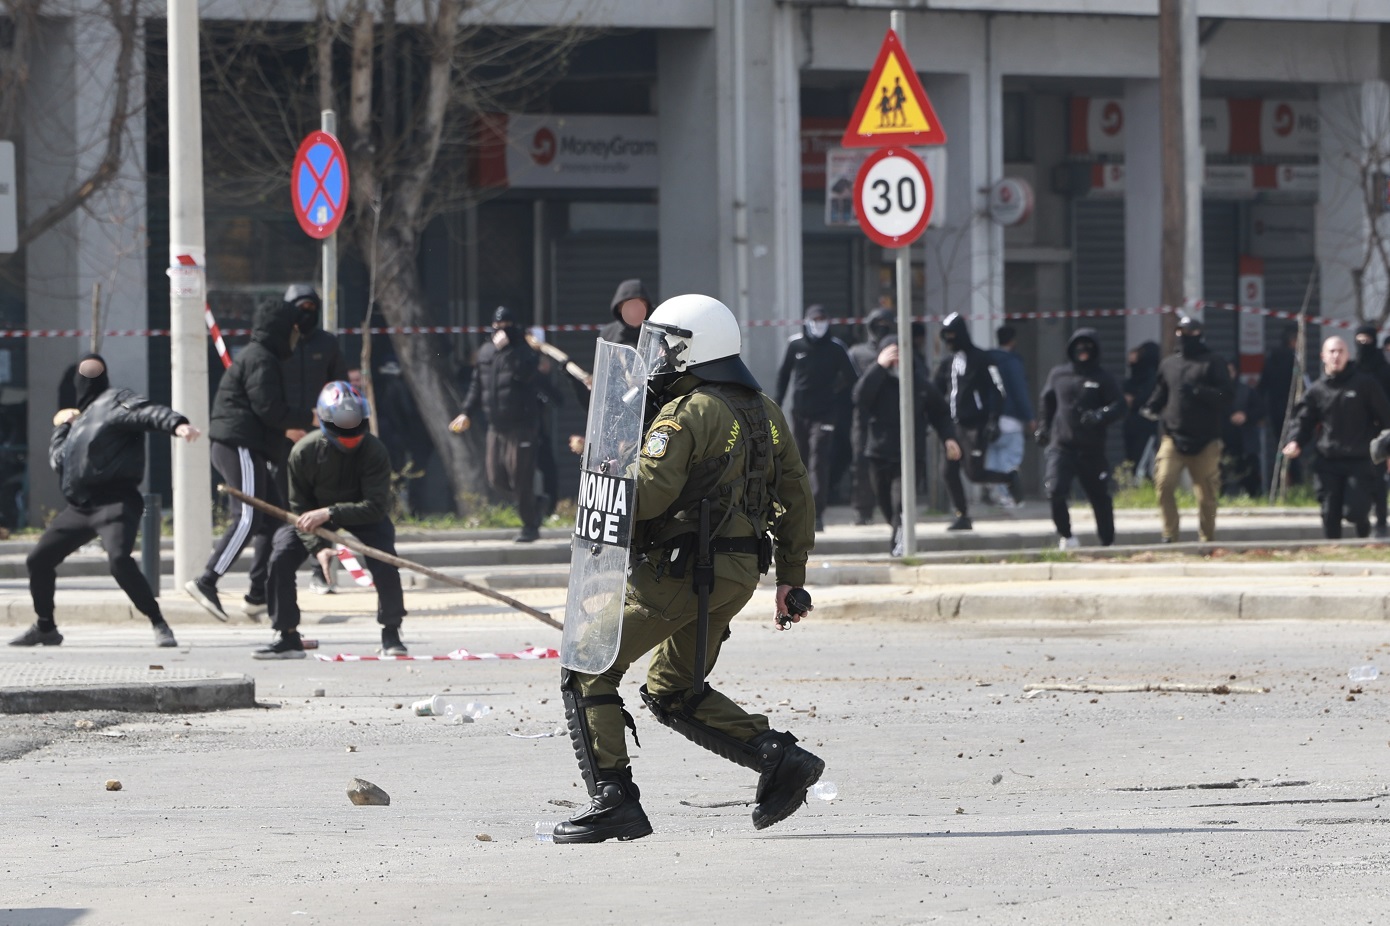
717	452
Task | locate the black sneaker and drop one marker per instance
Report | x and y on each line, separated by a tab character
205	593
614	812
286	646
163	635
391	644
1382	530
528	535
36	637
961	523
787	772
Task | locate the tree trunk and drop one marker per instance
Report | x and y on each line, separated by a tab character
426	370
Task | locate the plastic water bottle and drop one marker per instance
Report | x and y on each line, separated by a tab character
825	791
457	710
1363	673
545	831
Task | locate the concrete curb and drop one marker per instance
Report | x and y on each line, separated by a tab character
226	692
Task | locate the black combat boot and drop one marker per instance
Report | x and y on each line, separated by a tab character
787	771
613	812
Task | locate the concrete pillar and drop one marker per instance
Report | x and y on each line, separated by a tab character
1143	209
69	110
1355	125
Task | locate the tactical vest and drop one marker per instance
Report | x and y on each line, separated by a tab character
750	493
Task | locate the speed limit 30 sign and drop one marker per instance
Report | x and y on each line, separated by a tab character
893	197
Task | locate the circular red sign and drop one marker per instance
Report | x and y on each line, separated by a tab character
900	197
319	184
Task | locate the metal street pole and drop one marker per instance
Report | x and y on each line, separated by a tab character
906	393
187	292
329	284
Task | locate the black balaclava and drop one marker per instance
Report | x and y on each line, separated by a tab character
881	323
955	333
1366	353
1090	337
89	387
817	319
307	315
1190	337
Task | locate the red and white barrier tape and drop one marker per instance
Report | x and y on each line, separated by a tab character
359	575
458	655
756	323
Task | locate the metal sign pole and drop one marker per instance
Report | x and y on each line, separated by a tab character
329	287
907	393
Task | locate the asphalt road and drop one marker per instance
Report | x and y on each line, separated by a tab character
960	799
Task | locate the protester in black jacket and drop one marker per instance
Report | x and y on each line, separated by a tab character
1352	409
864	355
876	400
1371	360
98	452
817	368
1240	439
974	392
1079	403
1137	387
249	419
504	389
1190	400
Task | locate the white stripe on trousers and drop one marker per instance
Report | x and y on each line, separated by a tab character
248	514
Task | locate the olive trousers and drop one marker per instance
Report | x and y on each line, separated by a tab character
661	614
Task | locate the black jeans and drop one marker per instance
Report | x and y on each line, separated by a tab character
117	523
288	552
887	479
250	472
1349	485
972	460
1063	464
816	442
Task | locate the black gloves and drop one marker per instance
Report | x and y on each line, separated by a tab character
1091	418
1043	436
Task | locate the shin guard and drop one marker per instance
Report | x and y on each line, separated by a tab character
577	721
682	719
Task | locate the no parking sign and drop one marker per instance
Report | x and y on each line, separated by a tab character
319	184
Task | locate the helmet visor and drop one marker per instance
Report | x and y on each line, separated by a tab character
660	347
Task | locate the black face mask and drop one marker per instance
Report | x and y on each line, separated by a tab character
1189	344
1365	353
89	387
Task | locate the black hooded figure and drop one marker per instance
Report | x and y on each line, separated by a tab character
250	416
864	354
817	368
1371	360
98	452
619	330
1137	387
1079	403
974	392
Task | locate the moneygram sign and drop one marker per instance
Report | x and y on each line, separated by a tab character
568	152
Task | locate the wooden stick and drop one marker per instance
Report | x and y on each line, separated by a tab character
357	546
560	357
1181	687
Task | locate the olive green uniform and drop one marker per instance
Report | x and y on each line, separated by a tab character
661	609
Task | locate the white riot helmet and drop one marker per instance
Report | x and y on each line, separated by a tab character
697	335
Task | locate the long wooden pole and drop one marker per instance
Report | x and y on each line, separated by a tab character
357	546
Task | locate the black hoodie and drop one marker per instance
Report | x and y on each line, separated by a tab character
1192	396
1352	409
1370	359
820	375
1080	400
876	401
618	331
967	377
250	409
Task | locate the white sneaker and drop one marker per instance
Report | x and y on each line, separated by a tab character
1068	543
1004	498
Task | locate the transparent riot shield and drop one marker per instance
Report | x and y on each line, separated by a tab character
607	506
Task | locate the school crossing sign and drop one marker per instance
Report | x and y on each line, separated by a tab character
893	108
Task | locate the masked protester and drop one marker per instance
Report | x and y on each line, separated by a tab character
864	355
98	452
1371	361
316	361
504	389
1240	439
718	445
1190	401
340	478
1351	409
876	402
1079	403
974	391
1005	453
1139	432
249	417
1276	382
819	371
